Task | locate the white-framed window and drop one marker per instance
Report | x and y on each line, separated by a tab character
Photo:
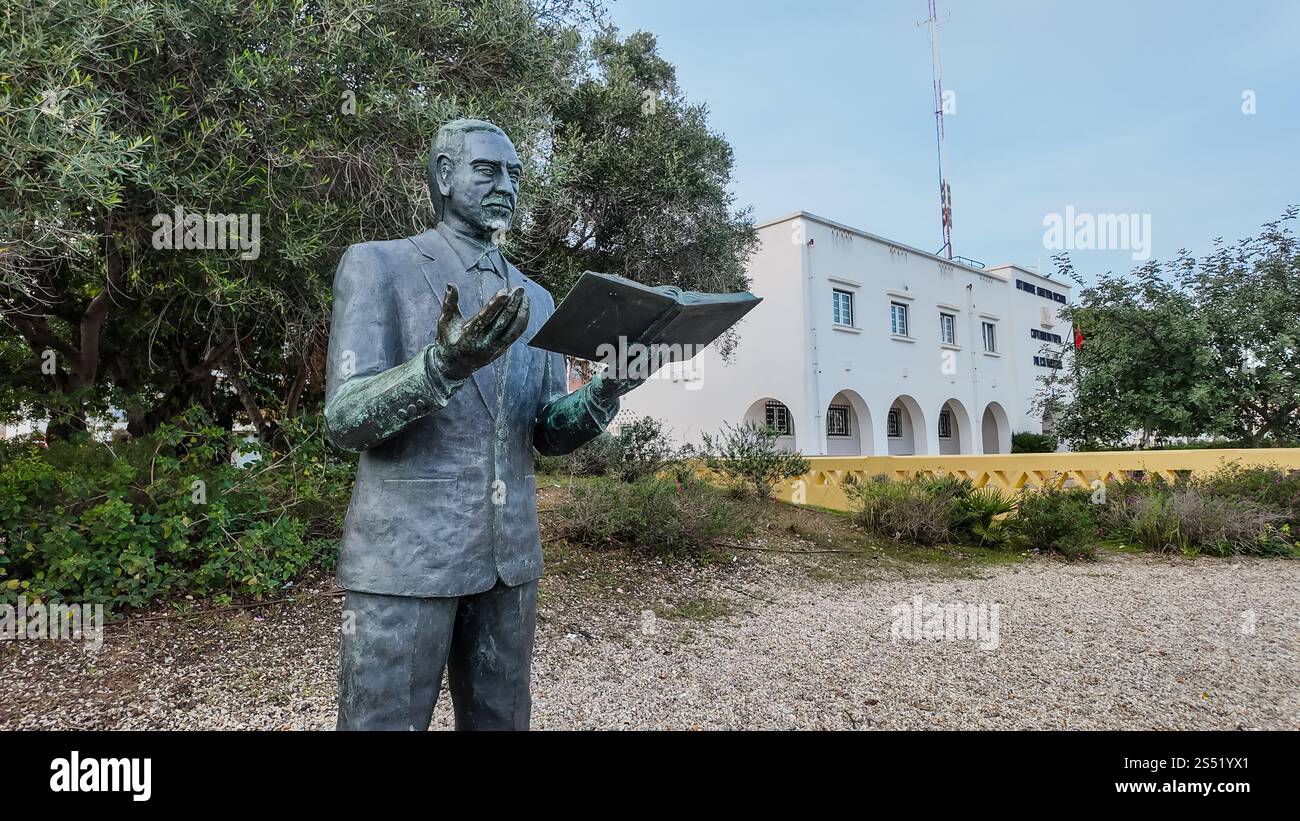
945	424
898	319
990	336
777	417
842	307
895	423
837	421
947	329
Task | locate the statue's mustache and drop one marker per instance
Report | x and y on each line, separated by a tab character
504	203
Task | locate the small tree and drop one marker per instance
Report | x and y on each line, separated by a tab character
1186	347
750	460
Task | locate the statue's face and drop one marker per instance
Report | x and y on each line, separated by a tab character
480	190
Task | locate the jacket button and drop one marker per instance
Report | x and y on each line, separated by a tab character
401	413
410	409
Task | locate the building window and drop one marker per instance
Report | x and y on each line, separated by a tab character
1047	362
945	425
898	319
1038	290
1046	336
842	307
895	423
837	421
990	337
778	418
947	329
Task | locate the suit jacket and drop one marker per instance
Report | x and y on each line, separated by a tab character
442	504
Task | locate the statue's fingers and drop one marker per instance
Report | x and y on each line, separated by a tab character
516	328
483	321
450	311
503	330
506	316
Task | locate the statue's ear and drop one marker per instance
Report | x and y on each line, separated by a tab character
443	176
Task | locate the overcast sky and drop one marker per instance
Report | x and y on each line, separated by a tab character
1108	106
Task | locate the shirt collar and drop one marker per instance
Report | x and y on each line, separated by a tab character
471	252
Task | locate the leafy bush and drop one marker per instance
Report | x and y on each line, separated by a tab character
643	449
981	517
1189	519
933	509
749	459
1232	512
1056	521
917	509
595	458
1273	487
640	448
1027	442
124	523
947	485
662	516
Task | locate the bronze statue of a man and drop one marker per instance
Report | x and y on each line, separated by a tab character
441	551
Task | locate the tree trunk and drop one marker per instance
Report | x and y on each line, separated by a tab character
197	381
80	364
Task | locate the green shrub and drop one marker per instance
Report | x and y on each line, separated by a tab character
981	517
947	485
1272	487
1056	521
917	509
123	523
1189	519
1027	442
643	449
655	514
933	509
749	460
595	458
640	448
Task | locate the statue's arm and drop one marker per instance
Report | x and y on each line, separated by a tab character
566	421
369	396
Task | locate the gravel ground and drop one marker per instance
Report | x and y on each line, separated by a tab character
1130	642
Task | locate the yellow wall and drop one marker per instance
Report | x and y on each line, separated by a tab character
822	484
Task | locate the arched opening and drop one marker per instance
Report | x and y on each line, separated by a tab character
906	431
954	429
996	428
848	426
776	415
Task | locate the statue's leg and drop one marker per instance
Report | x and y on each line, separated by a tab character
393	652
491	658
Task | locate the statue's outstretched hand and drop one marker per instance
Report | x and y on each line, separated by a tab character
468	345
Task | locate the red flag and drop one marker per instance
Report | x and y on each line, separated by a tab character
1078	338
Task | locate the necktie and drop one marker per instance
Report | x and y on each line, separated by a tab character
491	279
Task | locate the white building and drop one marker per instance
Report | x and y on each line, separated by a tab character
866	346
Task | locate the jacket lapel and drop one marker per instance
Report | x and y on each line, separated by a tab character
446	267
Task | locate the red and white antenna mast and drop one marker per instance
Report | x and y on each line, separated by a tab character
945	193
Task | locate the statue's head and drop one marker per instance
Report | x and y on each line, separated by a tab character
474	176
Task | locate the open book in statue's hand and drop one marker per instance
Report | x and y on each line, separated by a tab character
606	318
